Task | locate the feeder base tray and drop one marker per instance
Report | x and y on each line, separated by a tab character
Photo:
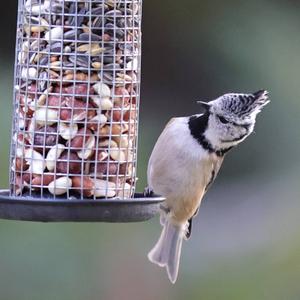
140	208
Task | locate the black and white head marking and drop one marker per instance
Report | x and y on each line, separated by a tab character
227	121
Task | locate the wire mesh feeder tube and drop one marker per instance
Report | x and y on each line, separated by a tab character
76	98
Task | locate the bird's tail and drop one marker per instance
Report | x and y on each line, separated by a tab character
166	252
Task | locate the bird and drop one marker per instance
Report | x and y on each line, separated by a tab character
186	160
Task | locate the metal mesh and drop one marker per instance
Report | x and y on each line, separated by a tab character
76	98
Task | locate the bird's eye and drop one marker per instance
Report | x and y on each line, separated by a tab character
223	120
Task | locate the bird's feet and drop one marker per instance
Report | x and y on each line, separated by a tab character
148	192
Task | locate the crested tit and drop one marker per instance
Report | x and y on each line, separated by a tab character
185	161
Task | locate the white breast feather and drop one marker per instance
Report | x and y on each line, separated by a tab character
179	168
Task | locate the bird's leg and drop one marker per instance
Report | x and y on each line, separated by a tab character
148	192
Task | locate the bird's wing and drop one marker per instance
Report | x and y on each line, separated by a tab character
215	170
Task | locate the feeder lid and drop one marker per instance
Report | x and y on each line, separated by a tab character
31	208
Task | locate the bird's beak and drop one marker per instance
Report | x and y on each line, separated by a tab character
204	105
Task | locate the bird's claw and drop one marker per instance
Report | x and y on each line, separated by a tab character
148	192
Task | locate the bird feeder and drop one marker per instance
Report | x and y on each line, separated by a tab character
75	113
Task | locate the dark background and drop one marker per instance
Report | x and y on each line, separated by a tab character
246	241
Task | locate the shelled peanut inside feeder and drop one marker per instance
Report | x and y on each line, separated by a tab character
77	85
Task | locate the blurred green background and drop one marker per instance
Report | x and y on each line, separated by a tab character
246	239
